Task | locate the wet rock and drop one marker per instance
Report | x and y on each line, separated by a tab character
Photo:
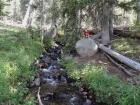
37	81
48	96
45	70
74	101
62	95
45	65
72	84
58	61
48	80
37	64
58	51
81	89
88	102
58	76
84	93
54	62
55	96
63	79
32	85
46	59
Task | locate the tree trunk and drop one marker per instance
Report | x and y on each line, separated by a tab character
42	22
53	29
98	35
76	20
127	33
15	12
26	17
138	13
121	58
111	20
105	40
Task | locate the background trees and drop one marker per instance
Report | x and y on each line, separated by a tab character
72	16
1	7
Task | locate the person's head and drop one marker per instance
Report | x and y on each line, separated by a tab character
85	29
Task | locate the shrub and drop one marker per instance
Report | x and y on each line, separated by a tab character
108	89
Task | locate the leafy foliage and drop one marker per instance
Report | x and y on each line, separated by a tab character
136	25
1	7
108	89
16	56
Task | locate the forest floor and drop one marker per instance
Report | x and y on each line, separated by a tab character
101	60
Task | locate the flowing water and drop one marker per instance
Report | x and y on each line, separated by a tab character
55	86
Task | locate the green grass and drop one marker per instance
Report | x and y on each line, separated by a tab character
8	30
127	47
16	56
108	89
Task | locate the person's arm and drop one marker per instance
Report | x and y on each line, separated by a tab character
84	34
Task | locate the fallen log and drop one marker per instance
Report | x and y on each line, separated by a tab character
94	31
96	36
119	65
127	33
119	57
122	32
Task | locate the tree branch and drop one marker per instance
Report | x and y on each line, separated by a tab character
38	96
120	66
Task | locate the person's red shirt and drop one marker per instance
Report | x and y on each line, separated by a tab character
86	34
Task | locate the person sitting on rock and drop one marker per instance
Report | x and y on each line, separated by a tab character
86	33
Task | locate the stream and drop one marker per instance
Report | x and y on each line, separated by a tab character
55	86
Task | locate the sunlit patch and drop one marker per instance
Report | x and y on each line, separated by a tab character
12	89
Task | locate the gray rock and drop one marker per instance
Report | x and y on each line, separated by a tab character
88	102
37	81
86	47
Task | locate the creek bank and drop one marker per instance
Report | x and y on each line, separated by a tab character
56	88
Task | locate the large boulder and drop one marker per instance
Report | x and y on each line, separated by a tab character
86	47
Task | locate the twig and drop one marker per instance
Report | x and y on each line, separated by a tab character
38	96
120	66
43	49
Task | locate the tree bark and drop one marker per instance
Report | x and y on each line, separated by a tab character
111	20
42	22
26	17
105	39
138	13
53	31
121	58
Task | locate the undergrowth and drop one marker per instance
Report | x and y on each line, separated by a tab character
128	47
16	56
108	89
